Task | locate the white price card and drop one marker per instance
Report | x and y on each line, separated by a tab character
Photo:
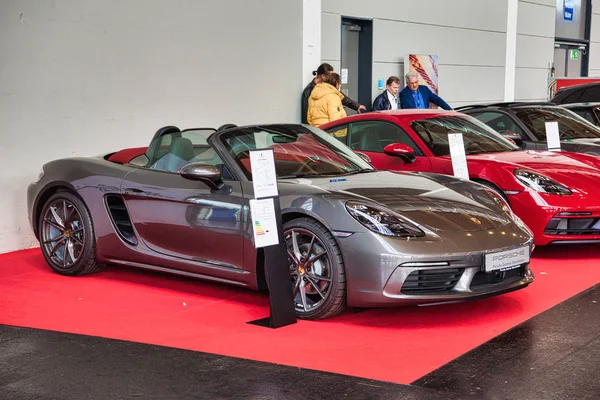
264	178
552	136
264	223
457	154
344	76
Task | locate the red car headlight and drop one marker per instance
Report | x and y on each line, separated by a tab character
541	183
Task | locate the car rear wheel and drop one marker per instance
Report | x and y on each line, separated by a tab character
317	269
67	235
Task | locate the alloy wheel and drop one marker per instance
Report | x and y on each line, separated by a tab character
310	268
62	233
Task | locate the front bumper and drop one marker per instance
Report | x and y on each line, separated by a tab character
387	272
556	219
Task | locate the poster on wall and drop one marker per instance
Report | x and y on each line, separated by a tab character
569	5
427	67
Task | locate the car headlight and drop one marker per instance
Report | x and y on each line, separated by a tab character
382	221
541	183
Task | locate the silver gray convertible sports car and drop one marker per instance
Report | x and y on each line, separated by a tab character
355	236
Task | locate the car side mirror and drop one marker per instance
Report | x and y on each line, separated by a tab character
206	173
404	151
513	137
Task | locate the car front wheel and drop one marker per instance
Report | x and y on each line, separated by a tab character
67	235
317	269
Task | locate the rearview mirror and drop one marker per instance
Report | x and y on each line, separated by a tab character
206	173
404	151
513	137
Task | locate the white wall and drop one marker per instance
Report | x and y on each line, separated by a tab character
311	38
594	66
468	36
535	48
86	77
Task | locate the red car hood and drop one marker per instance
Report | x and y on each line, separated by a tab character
562	167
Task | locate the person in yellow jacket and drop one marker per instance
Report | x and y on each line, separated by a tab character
325	102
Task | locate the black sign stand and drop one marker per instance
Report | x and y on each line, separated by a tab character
279	282
281	298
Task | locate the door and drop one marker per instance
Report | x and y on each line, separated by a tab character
356	61
183	218
371	137
568	59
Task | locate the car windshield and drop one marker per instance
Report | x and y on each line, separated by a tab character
299	151
477	137
570	125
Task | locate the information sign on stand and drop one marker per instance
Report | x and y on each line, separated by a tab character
457	154
553	136
267	227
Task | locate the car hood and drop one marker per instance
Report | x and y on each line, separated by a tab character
562	167
437	202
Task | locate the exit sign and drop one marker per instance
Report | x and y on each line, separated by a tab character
574	54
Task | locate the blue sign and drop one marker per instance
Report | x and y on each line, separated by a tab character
568	10
380	83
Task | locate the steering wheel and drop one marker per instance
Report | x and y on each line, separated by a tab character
474	146
566	134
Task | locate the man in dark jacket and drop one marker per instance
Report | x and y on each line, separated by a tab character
416	96
388	100
320	74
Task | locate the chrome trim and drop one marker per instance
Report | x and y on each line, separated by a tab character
342	234
426	264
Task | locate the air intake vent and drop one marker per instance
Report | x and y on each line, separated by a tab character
427	281
120	218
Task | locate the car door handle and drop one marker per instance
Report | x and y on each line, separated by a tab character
134	192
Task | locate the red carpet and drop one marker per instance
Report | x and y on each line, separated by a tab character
398	345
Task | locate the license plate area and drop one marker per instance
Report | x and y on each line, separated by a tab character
506	260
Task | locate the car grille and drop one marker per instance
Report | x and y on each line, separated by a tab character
573	226
431	280
490	278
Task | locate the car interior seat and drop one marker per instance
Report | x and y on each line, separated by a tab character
370	141
182	148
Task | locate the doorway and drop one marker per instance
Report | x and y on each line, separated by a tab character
572	33
357	60
568	59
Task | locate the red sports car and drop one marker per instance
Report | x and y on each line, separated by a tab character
557	194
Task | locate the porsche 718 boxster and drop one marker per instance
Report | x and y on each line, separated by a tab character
556	194
355	236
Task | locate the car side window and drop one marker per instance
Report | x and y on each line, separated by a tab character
374	136
176	150
340	133
500	122
586	114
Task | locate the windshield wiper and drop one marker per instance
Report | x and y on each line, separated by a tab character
361	171
323	175
307	175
